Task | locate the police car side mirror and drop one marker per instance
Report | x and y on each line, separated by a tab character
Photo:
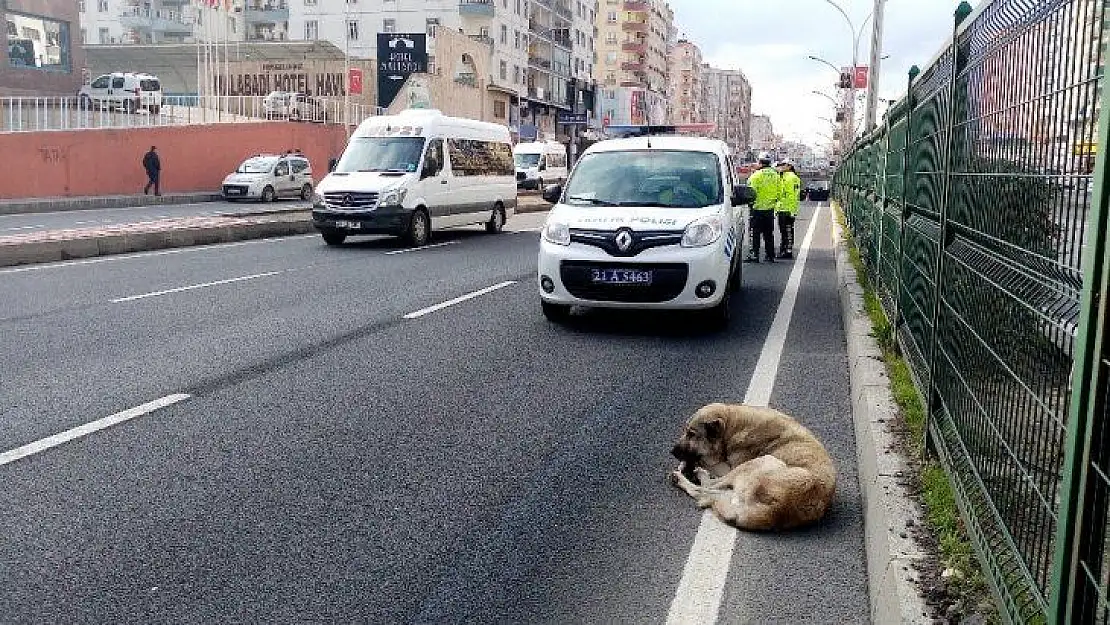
742	194
552	194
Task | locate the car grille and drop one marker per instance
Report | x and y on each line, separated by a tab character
350	199
521	175
641	240
668	282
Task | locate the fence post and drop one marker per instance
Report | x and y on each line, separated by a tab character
1086	407
905	212
932	402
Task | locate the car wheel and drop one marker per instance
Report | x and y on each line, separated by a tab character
555	313
717	318
496	221
420	228
306	192
268	194
334	237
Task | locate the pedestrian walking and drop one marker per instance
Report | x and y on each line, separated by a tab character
787	209
153	166
767	184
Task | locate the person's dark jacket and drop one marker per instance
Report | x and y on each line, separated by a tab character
152	163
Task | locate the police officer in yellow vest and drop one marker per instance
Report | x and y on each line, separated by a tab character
788	207
767	184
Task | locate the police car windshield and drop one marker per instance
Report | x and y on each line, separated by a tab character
381	154
526	160
657	178
256	166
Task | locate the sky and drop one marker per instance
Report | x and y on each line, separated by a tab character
770	41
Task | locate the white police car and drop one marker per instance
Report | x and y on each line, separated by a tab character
646	222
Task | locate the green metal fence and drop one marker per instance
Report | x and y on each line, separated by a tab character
978	209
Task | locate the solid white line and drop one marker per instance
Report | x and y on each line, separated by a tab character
698	598
84	430
422	247
21	228
179	250
457	300
191	287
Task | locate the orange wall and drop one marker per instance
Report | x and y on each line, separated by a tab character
109	162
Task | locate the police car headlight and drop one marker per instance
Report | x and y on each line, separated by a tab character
556	233
702	232
393	198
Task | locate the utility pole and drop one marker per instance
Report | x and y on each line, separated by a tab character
876	59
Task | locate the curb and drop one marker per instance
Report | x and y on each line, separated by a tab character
86	247
889	511
62	204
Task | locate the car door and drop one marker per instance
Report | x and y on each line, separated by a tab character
98	89
116	92
302	173
434	181
284	179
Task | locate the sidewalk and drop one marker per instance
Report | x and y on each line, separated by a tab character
252	223
58	204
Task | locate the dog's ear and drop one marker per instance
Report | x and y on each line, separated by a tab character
714	428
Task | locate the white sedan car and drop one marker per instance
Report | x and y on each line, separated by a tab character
646	222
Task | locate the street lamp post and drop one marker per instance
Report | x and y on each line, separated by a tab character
876	59
855	63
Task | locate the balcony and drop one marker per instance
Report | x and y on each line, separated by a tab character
634	27
486	39
637	5
556	7
634	83
633	66
266	13
639	47
155	21
477	8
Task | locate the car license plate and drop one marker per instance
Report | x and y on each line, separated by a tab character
234	191
349	225
620	276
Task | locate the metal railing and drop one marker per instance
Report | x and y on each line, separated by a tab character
58	113
971	207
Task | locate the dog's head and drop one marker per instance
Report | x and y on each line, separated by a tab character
703	440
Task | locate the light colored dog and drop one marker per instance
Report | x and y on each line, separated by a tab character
758	468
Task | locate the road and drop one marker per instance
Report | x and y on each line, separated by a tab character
92	218
336	446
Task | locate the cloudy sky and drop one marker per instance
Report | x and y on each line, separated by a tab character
770	39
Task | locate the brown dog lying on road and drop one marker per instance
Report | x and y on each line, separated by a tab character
773	472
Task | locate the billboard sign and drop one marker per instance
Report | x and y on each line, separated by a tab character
400	55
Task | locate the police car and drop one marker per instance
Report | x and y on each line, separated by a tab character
646	222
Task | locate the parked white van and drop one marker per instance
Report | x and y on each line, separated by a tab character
127	91
420	170
540	163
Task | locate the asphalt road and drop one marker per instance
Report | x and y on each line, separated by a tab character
346	454
92	218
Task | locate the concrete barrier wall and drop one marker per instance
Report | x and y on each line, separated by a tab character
109	162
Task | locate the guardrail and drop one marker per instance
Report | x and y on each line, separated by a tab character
72	113
979	213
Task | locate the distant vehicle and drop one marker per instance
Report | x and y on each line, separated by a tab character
127	91
420	170
646	222
817	191
539	163
268	177
295	106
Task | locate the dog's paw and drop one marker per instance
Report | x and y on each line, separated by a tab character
703	475
675	477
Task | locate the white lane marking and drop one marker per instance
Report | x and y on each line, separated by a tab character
422	247
459	300
191	287
698	598
179	250
88	428
13	228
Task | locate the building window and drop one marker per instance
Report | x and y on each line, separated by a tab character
516	74
311	30
430	25
84	36
80	6
517	39
389	25
504	70
611	17
499	109
102	6
310	3
103	35
352	30
611	38
504	35
39	42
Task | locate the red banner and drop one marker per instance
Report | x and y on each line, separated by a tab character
354	81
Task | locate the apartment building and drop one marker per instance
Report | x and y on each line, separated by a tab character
686	85
560	64
762	133
43	56
727	103
632	72
169	21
